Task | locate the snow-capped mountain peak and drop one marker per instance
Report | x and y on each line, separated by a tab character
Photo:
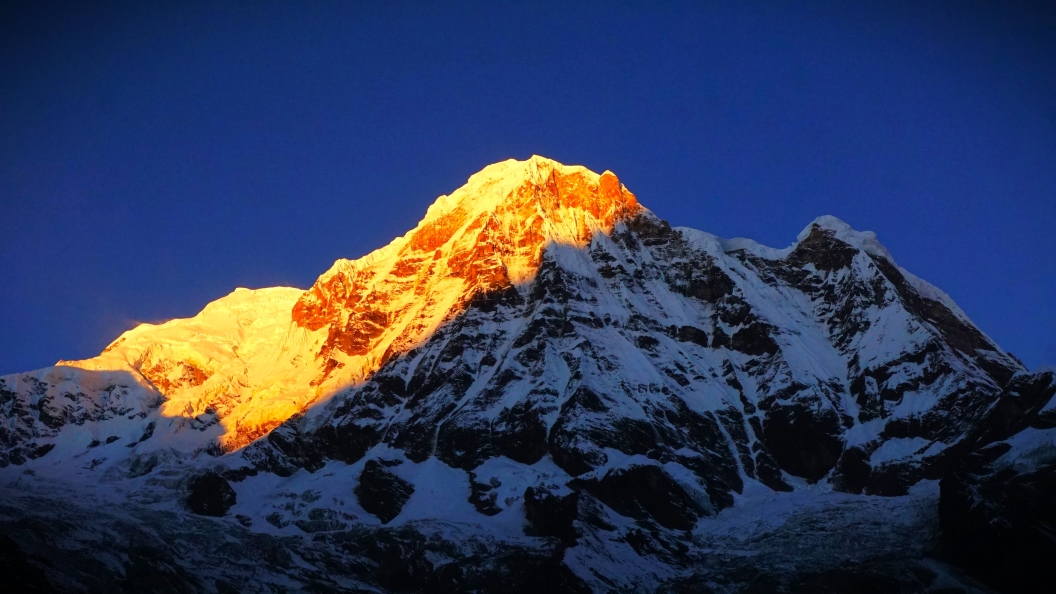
487	236
863	240
540	360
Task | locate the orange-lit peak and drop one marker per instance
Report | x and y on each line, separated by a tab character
485	236
551	185
569	203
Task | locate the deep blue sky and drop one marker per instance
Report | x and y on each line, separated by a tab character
153	159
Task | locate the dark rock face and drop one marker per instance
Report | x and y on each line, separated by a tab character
803	442
715	464
19	574
521	433
398	562
844	580
209	494
550	514
853	471
754	340
997	506
1018	407
769	474
694	335
998	524
381	492
645	492
823	250
570	445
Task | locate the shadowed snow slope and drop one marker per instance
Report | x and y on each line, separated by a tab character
545	370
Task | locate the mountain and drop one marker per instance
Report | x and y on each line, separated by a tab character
542	385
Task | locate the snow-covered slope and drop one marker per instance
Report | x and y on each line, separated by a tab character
192	384
541	367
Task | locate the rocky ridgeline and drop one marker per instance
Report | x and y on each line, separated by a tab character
545	365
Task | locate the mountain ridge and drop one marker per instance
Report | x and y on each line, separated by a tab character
544	364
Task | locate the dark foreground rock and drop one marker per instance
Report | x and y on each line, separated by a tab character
17	570
834	545
999	525
997	507
998	522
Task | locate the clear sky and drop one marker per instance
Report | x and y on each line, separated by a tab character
154	157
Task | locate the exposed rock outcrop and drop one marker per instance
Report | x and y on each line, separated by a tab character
381	492
209	494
